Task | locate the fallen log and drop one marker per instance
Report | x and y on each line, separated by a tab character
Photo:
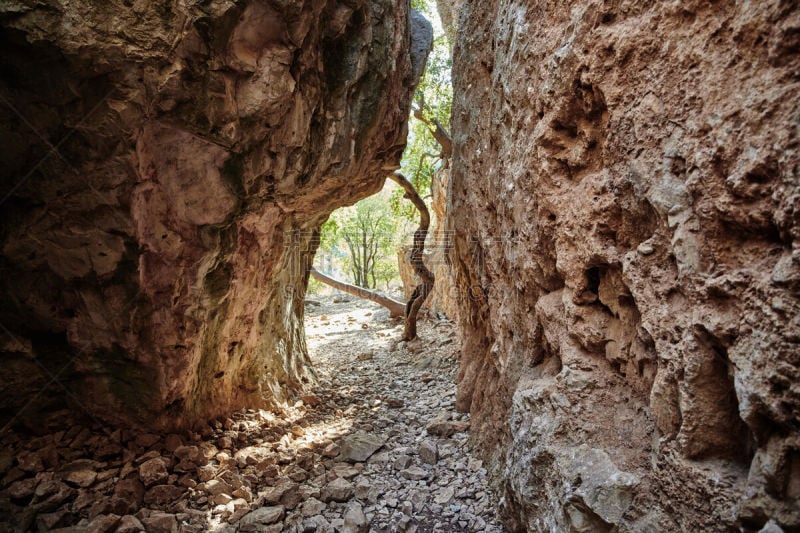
396	309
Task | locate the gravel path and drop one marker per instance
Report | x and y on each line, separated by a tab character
375	447
423	478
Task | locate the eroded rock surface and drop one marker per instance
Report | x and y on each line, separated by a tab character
165	166
626	199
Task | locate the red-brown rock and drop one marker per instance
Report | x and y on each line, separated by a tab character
625	199
164	171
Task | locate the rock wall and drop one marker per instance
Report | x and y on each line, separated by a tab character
166	166
626	203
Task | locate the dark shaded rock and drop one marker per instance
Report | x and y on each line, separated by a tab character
105	523
129	524
153	471
163	494
158	522
163	186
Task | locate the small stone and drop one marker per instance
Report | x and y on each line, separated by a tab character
58	519
428	452
30	462
338	490
190	453
163	494
331	450
172	442
359	446
222	499
238	508
283	492
414	473
145	440
407	508
344	470
312	506
402	461
130	490
153	471
104	523
444	496
206	473
354	519
80	478
214	487
447	428
264	516
317	524
159	522
129	524
22	489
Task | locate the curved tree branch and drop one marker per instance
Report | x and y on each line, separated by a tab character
426	277
396	309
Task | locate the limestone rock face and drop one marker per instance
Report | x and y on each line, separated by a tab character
626	203
165	168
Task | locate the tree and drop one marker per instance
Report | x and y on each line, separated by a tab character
427	279
368	231
364	222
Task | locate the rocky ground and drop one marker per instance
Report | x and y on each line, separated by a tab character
376	446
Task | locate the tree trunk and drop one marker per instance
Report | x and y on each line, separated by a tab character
426	276
396	309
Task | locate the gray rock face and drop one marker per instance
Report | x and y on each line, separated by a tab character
626	233
164	169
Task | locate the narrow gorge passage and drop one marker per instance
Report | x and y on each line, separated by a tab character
615	235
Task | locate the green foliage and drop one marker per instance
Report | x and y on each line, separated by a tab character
362	239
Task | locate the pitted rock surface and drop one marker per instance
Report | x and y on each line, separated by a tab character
625	200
